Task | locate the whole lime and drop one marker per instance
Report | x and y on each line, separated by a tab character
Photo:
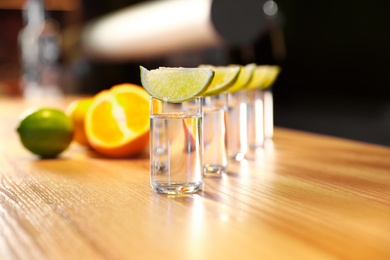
46	131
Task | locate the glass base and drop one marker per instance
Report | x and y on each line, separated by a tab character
255	154
256	146
176	187
214	170
237	157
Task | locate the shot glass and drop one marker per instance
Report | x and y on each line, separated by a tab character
176	146
255	115
237	125
215	158
268	114
256	123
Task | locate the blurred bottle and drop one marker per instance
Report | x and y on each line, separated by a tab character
40	53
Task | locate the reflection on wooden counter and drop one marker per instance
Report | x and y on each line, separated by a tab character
306	196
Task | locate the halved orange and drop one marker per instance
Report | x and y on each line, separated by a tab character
117	122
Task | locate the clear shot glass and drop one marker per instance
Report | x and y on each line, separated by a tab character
215	158
256	123
268	114
237	125
176	146
255	115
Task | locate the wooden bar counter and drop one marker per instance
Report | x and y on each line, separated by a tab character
306	196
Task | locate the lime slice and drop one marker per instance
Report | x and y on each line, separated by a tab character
176	84
273	72
224	77
259	78
243	78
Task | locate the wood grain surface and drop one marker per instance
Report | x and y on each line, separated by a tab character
305	196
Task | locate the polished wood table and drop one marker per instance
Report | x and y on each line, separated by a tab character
306	196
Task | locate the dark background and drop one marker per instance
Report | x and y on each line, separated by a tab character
335	76
334	57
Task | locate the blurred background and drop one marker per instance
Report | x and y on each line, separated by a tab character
334	55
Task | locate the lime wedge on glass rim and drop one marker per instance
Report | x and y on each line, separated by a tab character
259	78
176	84
224	78
243	78
272	74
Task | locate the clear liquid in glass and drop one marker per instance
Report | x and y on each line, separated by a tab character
268	115
176	153
237	126
255	114
215	158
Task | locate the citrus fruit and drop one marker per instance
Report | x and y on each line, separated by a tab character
117	121
176	84
77	111
243	78
259	78
46	131
273	72
224	77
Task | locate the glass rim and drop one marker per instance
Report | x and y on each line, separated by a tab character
188	100
189	107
